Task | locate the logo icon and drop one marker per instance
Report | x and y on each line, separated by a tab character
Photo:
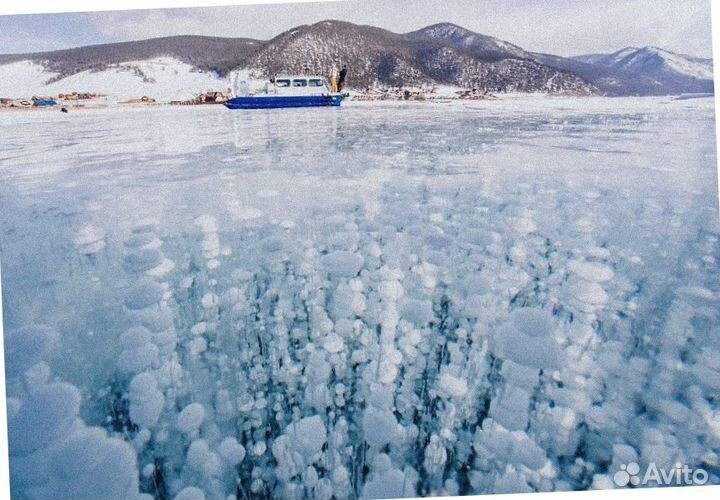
628	474
679	475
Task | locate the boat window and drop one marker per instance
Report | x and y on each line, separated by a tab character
300	83
316	82
282	83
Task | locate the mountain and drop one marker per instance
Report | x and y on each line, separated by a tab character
485	47
373	56
211	54
631	71
610	81
443	53
657	71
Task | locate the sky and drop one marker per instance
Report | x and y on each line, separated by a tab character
562	27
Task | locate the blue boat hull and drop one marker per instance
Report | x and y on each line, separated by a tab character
45	103
263	102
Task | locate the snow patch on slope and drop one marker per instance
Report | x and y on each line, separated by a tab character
164	78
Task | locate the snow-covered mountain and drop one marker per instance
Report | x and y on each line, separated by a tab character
377	56
483	46
653	59
442	54
631	71
182	66
666	71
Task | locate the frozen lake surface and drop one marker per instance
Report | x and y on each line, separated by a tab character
367	302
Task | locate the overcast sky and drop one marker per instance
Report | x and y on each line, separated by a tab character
563	27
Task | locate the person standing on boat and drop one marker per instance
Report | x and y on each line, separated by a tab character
341	80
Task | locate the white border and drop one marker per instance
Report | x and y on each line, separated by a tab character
48	6
54	6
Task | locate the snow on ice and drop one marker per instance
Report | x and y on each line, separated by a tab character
471	298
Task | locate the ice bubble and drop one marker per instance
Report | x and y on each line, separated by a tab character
389	484
197	346
144	294
46	414
146	401
342	301
591	271
142	260
141	438
89	240
155	319
510	408
452	386
247	213
382	463
706	369
168	374
333	343
418	312
138	358
347	240
380	427
387	372
307	436
198	328
495	442
148	470
591	294
13	407
37	375
140	240
89	465
477	305
392	355
26	346
523	225
438	240
190	418
511	481
190	493
698	292
259	448
207	223
232	451
435	455
519	375
342	264
210	246
201	459
527	339
392	290
134	337
272	244
145	226
602	482
161	270
209	300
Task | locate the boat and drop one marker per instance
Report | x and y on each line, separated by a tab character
287	92
42	102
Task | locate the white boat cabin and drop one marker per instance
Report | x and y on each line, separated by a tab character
298	85
285	85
